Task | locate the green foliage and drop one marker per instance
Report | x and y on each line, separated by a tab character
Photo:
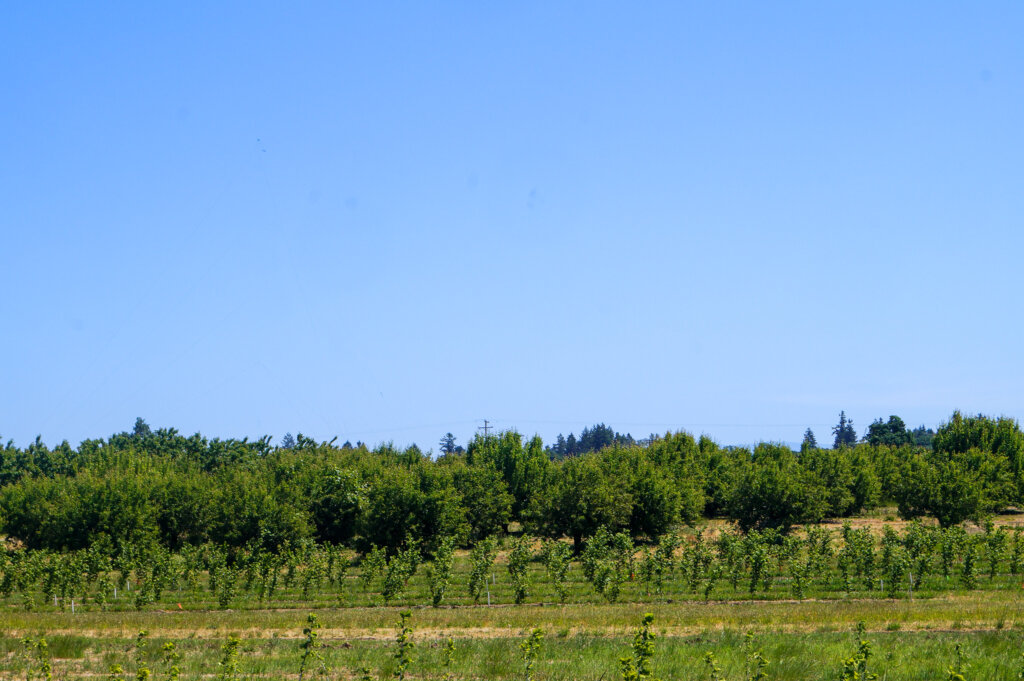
637	666
171	657
714	671
951	487
518	563
531	648
372	565
557	558
403	645
154	487
311	647
440	570
449	657
607	562
228	666
757	665
958	670
583	496
775	491
399	569
892	433
855	667
337	500
523	468
481	558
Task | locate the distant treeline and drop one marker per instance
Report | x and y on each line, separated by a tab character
160	486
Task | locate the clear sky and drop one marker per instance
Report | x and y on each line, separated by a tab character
384	221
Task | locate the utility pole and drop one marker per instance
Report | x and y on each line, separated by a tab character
486	427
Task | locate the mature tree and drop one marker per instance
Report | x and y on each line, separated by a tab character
597	438
141	429
582	497
892	432
485	497
448	445
775	491
571	446
522	467
557	450
1000	438
338	497
287	442
950	489
810	442
846	436
973	468
923	436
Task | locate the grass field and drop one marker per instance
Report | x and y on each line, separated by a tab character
802	640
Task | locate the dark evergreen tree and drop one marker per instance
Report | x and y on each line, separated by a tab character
923	436
287	442
595	439
846	436
810	442
448	444
142	429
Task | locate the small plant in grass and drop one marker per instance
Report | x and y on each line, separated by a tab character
531	648
958	670
311	647
404	643
637	666
39	651
855	668
439	572
171	657
714	671
481	558
756	664
143	674
140	645
115	673
449	657
518	564
229	660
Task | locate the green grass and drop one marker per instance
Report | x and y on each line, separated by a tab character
897	655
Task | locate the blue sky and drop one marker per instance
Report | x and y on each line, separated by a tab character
384	221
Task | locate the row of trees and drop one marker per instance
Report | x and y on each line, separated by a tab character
178	490
893	432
